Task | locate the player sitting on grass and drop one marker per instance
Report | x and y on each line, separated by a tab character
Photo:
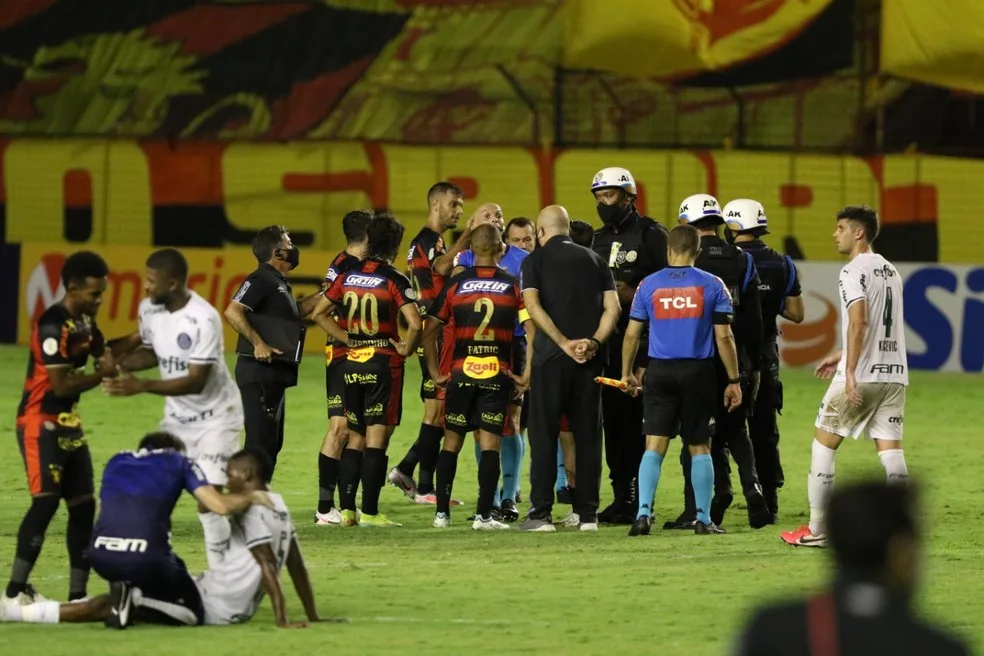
149	583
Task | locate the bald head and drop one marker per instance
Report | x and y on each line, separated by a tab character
491	213
486	240
553	220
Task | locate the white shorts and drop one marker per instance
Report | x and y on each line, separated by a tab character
221	606
209	445
879	417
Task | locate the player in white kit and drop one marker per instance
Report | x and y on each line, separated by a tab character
867	394
261	544
181	334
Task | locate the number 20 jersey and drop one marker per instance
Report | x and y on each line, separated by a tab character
369	298
875	280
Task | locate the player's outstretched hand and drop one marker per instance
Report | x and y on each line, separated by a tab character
261	498
122	385
732	397
441	380
106	365
521	383
828	366
632	385
401	347
851	390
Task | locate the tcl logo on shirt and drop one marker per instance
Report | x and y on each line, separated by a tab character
679	303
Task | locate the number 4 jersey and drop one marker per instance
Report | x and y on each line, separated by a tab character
871	278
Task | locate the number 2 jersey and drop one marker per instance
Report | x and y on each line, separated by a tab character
369	298
480	307
875	280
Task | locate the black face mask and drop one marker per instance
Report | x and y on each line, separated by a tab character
291	256
612	214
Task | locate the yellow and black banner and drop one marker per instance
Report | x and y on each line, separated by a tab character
924	42
677	39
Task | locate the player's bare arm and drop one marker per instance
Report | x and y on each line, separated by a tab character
429	342
728	352
67	382
794	310
523	382
263	554
828	366
443	264
140	359
306	304
857	326
630	348
408	345
235	314
231	504
321	315
302	582
193	383
122	346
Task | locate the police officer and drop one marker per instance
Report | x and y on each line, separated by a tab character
688	312
634	246
737	269
262	379
779	289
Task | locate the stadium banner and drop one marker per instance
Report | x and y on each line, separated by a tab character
214	274
677	38
937	45
216	195
944	317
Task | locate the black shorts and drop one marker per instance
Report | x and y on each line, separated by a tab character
335	387
56	458
470	406
680	397
162	577
373	393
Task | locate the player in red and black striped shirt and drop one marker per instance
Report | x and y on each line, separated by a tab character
480	306
369	299
49	431
354	226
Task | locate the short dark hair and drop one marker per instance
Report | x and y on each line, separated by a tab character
162	440
864	215
258	459
385	233
81	265
266	241
442	188
684	240
354	225
519	222
582	233
486	239
863	518
171	262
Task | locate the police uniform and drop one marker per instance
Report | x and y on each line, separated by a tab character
736	269
633	250
263	385
778	280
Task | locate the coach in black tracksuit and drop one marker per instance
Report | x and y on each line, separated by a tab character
779	289
737	269
634	247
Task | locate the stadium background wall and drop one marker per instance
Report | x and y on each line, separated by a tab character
123	198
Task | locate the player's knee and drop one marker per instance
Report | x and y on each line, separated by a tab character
699	449
432	412
35	525
82	513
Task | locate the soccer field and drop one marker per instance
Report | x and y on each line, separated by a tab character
421	590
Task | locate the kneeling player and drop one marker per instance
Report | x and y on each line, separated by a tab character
480	305
372	295
131	546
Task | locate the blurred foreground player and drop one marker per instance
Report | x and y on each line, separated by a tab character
781	296
481	305
867	394
371	297
49	432
874	531
354	226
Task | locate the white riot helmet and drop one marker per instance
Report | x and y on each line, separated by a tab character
614	177
743	214
700	206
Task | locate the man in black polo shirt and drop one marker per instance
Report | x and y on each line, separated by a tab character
262	379
570	295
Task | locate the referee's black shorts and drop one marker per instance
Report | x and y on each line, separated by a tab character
680	397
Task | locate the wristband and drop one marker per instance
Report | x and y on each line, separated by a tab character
734	381
597	343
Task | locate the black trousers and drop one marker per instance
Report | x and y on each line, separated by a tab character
764	431
562	386
624	441
264	410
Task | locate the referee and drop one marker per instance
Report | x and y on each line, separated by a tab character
687	310
263	380
570	294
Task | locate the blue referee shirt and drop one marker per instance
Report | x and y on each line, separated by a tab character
511	262
681	306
